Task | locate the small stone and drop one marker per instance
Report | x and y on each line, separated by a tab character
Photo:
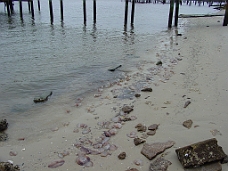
153	127
122	156
153	132
138	141
126	119
147	90
141	128
127	109
159	164
132	169
188	123
187	103
159	63
137	95
3	125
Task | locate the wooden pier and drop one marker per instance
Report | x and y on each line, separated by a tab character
173	3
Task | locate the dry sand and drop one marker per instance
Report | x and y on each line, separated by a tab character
195	68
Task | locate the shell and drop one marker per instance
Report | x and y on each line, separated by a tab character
82	160
113	131
56	164
12	153
82	125
132	134
138	162
117	125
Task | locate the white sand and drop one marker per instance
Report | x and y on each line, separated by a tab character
195	68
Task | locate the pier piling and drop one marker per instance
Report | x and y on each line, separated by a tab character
8	8
132	12
84	11
171	13
38	3
61	9
51	11
32	9
176	12
20	9
225	21
94	11
29	6
126	13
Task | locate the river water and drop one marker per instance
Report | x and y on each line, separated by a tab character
69	58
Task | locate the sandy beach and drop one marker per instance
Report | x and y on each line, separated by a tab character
194	68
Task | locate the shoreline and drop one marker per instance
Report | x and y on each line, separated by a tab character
189	70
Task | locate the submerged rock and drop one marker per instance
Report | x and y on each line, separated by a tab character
199	153
159	164
152	150
3	125
7	166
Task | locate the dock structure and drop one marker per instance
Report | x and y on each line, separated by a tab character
174	6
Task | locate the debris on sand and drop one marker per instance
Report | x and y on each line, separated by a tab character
127	109
122	156
187	103
159	164
188	123
56	164
141	128
152	150
147	90
138	141
199	153
3	125
153	127
7	166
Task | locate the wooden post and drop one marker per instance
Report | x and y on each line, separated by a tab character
38	2
61	9
126	12
170	13
20	9
32	9
51	11
132	12
176	13
11	6
225	21
8	8
29	6
84	11
94	11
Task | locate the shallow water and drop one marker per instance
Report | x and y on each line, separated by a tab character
69	58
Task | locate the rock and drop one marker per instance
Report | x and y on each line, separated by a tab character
137	95
200	153
141	128
152	150
147	90
126	119
138	141
159	164
7	166
3	136
3	125
207	167
127	109
187	103
159	63
215	132
188	123
132	169
153	127
153	132
122	156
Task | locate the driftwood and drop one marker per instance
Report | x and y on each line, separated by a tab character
198	15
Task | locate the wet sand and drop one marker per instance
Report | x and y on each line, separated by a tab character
194	68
